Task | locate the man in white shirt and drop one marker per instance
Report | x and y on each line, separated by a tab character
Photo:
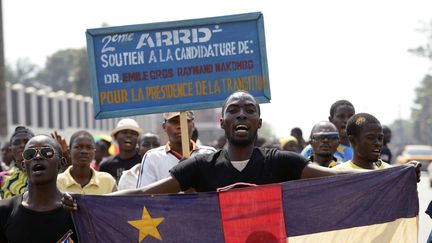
157	162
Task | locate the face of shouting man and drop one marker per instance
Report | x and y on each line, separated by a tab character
241	119
42	159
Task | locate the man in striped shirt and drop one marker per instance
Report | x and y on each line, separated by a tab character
157	162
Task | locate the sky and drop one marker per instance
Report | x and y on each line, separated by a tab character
317	51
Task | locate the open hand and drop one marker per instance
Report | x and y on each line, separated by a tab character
417	166
64	147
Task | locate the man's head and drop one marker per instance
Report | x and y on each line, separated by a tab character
324	138
387	134
82	149
146	142
366	136
101	151
42	160
18	141
195	135
297	133
340	112
171	125
240	118
126	134
6	153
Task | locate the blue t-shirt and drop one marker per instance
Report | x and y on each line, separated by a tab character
343	153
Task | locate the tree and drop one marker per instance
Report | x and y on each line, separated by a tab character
79	74
424	50
419	128
422	111
22	72
66	70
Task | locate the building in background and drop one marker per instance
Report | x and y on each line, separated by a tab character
44	111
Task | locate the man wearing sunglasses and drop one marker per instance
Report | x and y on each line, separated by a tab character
37	215
324	141
15	181
340	112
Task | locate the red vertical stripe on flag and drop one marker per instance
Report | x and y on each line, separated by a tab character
253	214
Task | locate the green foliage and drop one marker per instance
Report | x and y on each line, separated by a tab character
420	126
57	70
79	74
22	72
403	133
418	130
422	112
424	50
10	74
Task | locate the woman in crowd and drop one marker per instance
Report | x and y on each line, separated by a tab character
80	177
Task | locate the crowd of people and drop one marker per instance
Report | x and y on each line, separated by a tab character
38	169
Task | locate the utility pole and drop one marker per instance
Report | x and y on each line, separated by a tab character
3	106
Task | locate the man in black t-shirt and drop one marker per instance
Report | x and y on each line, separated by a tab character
126	134
240	162
37	215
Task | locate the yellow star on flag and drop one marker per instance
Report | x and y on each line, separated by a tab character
147	225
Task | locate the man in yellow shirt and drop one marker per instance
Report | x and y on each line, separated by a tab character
80	177
365	134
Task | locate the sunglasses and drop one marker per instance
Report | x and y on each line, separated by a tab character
44	152
321	137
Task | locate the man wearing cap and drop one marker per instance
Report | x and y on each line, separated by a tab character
126	134
324	141
157	162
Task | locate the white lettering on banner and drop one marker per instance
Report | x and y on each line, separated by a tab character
204	51
122	59
120	38
174	37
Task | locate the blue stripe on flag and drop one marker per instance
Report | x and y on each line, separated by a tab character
338	202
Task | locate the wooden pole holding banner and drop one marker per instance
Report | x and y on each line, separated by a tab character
184	134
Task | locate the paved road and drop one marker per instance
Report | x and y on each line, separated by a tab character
425	196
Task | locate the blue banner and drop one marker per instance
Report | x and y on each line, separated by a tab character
176	66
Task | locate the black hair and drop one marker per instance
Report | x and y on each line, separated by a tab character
195	134
319	124
240	91
358	121
386	128
81	133
297	130
105	142
339	103
19	130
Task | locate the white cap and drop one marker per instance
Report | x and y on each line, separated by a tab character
126	124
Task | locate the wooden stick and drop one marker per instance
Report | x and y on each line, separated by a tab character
184	134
